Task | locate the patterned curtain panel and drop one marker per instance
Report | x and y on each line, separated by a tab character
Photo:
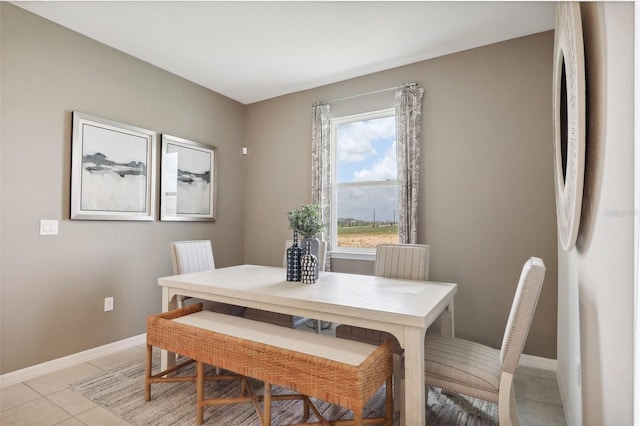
408	139
320	169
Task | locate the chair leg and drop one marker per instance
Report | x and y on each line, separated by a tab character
398	383
507	413
513	409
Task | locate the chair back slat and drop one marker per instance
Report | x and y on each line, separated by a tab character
405	261
521	315
192	256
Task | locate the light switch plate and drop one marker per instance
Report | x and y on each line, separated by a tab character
108	304
48	227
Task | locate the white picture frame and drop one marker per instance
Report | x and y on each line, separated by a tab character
188	180
112	170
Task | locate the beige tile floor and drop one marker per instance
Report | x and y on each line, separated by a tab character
47	401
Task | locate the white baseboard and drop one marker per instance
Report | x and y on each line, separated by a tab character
68	361
538	362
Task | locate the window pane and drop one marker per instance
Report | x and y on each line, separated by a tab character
366	150
367	216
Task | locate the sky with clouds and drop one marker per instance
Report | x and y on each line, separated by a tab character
366	151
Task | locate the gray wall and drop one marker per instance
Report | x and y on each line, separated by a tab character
487	189
487	196
595	295
53	287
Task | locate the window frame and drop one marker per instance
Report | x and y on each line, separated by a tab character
355	253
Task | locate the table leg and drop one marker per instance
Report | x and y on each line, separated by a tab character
167	359
414	385
446	321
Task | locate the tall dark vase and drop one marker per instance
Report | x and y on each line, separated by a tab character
308	266
294	257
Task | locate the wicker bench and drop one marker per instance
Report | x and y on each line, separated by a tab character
341	372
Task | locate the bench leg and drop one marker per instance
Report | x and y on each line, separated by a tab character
389	402
200	391
244	388
147	379
357	417
267	404
307	412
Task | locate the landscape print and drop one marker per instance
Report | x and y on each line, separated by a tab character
193	168
114	171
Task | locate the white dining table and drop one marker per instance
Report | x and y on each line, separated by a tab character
404	308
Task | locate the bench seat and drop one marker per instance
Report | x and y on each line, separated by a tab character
346	373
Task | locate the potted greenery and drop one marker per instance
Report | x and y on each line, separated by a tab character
307	221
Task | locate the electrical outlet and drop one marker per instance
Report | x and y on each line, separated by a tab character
108	304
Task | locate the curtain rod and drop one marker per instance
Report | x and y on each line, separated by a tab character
366	93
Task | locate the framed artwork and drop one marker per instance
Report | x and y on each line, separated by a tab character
112	170
188	180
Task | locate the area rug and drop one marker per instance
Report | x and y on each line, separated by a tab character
121	392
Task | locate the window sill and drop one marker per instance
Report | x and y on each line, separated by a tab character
350	255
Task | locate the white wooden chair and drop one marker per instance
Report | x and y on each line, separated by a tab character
191	256
404	261
287	320
460	366
197	256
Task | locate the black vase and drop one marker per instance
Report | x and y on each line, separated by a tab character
314	250
294	255
308	266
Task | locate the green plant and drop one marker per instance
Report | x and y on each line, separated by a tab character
306	219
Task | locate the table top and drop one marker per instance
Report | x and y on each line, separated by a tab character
398	301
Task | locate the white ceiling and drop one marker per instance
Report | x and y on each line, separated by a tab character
251	51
